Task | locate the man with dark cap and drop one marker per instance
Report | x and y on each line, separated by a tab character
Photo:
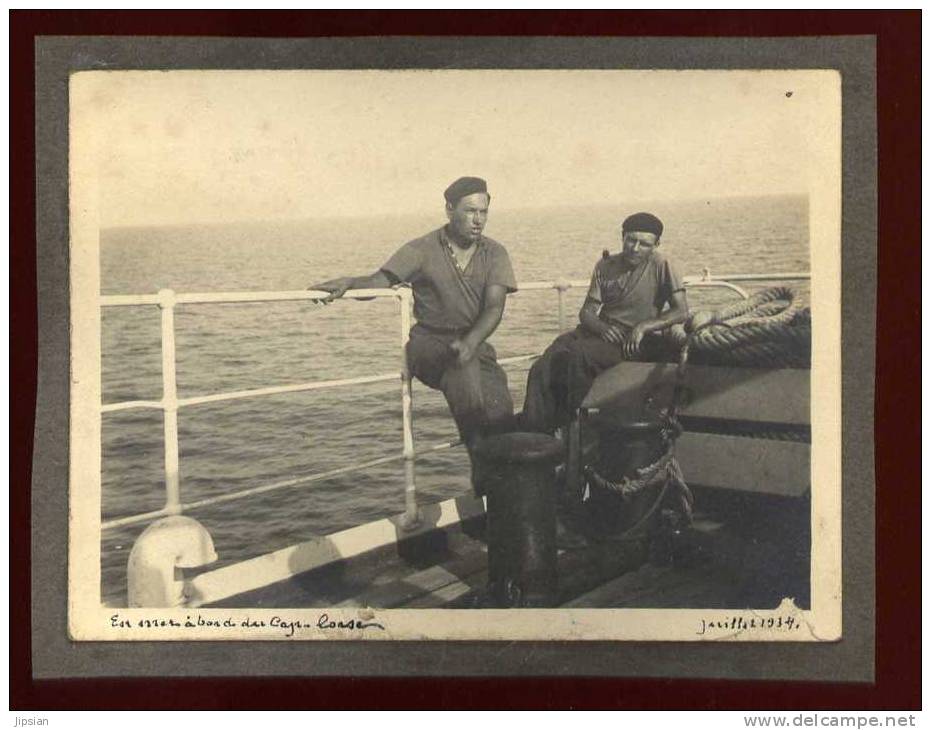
460	281
621	319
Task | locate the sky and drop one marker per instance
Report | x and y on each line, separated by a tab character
174	147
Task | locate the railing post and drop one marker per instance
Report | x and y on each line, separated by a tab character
412	518
561	287
166	303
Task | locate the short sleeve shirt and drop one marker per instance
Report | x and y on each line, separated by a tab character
446	297
630	295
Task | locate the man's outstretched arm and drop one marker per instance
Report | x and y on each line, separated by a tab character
338	287
485	325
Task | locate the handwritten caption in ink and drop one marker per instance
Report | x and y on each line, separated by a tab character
198	621
732	624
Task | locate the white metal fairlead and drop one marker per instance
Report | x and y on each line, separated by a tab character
163	547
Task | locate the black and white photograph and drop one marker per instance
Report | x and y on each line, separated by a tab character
501	354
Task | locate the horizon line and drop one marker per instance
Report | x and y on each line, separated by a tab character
411	213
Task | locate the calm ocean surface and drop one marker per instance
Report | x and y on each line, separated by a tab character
238	444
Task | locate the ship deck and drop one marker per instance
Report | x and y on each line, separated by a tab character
735	556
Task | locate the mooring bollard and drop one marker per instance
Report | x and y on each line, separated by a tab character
521	516
626	447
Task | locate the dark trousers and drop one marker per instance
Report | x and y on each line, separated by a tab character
560	379
477	392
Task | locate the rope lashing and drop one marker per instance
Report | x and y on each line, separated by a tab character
665	472
627	488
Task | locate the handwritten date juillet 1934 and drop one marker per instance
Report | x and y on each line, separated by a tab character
733	624
197	621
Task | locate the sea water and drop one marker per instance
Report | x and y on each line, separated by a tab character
234	445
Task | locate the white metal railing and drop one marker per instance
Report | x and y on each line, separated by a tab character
170	403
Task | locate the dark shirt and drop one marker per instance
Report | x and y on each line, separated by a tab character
630	295
445	297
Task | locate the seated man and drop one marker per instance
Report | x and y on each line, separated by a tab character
460	281
620	319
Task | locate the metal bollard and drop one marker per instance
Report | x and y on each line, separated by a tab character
625	448
521	518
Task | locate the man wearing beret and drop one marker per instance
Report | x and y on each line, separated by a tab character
621	319
460	281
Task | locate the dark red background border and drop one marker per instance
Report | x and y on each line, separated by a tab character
898	375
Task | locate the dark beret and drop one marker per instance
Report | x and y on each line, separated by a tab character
643	222
465	186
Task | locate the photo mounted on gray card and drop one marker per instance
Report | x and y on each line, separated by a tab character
458	354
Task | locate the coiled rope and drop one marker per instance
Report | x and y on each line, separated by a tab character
769	329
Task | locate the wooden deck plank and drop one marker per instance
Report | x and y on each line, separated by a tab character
731	565
653	586
424	582
224	586
448	593
745	566
337	582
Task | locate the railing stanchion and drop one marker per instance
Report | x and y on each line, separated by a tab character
411	519
561	287
166	303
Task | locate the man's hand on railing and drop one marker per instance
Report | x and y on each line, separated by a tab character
336	287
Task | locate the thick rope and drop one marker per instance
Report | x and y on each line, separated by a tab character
745	306
666	472
627	489
770	329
